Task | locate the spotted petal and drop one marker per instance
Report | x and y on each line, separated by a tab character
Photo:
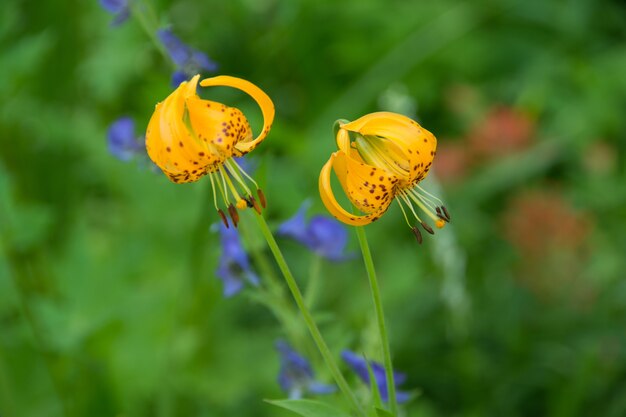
402	138
262	99
369	188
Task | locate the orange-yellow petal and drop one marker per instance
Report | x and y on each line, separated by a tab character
416	143
262	99
368	188
217	128
169	142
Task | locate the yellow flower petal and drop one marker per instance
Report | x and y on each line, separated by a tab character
169	142
262	99
368	188
218	128
417	145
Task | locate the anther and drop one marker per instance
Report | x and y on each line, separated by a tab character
418	234
428	228
223	217
445	211
252	203
233	214
261	197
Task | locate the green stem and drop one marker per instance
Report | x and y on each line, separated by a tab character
308	318
312	288
149	22
380	318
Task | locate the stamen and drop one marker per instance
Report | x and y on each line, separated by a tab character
440	214
232	161
231	186
233	214
430	195
213	189
423	207
252	203
223	217
405	216
261	197
428	228
445	211
418	234
408	203
221	188
233	170
423	199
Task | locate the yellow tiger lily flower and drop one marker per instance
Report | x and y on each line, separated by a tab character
189	137
382	156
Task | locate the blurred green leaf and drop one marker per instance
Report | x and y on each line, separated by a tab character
309	408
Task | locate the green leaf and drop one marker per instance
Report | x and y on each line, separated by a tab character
383	413
309	408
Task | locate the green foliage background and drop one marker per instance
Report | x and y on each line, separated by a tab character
108	301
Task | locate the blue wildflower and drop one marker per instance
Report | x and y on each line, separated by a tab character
234	267
359	366
118	8
189	61
122	142
296	376
323	235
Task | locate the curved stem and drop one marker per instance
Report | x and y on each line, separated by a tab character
308	318
380	318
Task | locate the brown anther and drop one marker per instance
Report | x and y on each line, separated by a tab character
428	228
445	211
253	203
261	197
233	214
418	234
223	217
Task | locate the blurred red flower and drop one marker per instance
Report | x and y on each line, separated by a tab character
551	238
503	131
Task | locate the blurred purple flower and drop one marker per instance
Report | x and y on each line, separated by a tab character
234	267
359	366
323	235
189	61
296	376
122	141
118	8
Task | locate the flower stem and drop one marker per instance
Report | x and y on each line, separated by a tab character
310	293
149	22
308	318
380	318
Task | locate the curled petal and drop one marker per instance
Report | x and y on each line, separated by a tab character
370	189
262	99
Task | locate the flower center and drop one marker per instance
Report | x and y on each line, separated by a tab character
382	153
